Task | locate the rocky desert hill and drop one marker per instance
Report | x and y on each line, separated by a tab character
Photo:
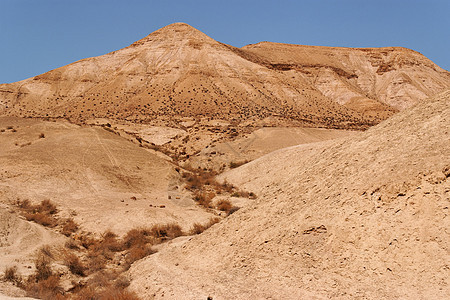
364	217
363	79
137	152
178	71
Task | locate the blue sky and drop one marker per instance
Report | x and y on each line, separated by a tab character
39	35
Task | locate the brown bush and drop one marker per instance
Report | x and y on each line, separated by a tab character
204	198
87	293
11	275
41	213
199	178
224	187
96	263
69	227
74	264
110	242
234	164
72	244
118	294
87	241
138	252
41	218
167	231
224	205
43	268
136	237
47	206
233	210
198	228
46	289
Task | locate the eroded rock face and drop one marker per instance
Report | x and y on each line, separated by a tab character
179	71
394	76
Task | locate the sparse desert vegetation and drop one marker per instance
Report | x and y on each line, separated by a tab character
114	171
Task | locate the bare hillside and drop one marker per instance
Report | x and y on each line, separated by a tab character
365	79
364	217
177	71
100	179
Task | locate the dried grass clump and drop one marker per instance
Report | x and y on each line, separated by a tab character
41	218
166	232
43	268
204	198
69	227
196	179
46	289
233	210
224	205
237	164
42	213
138	252
12	276
74	264
136	237
119	294
198	228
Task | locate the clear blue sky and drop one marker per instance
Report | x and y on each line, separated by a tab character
39	35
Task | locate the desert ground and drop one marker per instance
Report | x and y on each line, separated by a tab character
184	168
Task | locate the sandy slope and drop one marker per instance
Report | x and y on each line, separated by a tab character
260	142
91	174
364	217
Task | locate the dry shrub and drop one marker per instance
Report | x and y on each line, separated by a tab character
72	244
41	218
96	263
110	242
46	289
224	187
24	205
233	210
87	293
41	213
198	228
11	275
46	250
204	198
87	241
69	227
122	282
105	285
118	294
74	264
244	194
237	164
199	178
224	205
167	231
138	252
136	237
102	279
43	268
47	206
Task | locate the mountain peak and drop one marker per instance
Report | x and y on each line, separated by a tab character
176	32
